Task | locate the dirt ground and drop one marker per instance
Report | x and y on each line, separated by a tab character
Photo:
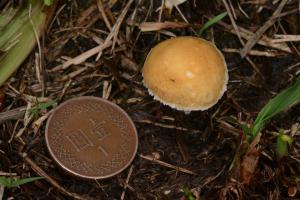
176	151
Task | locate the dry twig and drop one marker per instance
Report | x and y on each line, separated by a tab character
53	182
286	38
103	14
127	181
258	34
16	113
254	52
164	125
265	41
167	165
156	26
82	57
115	29
231	17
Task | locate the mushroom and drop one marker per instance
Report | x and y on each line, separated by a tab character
186	73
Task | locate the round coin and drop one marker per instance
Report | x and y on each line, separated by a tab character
91	137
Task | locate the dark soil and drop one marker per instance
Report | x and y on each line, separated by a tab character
202	142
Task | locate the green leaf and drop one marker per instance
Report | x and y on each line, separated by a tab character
44	106
4	181
279	103
7	14
48	2
18	38
188	194
283	141
41	107
211	22
16	183
281	147
11	182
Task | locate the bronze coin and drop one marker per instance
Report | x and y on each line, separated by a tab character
91	137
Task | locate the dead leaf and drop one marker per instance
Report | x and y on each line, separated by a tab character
196	193
173	3
250	161
128	63
232	190
292	191
156	26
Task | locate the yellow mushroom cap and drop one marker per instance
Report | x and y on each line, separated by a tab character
186	73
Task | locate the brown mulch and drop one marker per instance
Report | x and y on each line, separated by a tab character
98	47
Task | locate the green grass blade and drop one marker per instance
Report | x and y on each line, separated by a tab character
16	183
4	181
48	2
41	107
279	103
11	182
211	22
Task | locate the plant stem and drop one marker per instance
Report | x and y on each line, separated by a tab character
22	29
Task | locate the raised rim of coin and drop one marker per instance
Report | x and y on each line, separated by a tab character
102	101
